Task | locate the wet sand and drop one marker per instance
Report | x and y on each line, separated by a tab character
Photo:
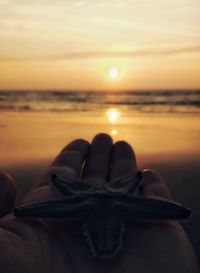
167	143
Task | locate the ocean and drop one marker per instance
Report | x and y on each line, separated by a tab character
177	101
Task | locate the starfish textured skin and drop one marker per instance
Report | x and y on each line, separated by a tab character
104	209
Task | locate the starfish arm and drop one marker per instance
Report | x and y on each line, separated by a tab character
69	186
152	208
129	183
64	208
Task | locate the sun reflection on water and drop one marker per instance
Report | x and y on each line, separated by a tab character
113	132
112	115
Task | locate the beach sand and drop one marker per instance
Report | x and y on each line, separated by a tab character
167	143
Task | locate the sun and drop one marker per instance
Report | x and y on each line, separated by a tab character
113	72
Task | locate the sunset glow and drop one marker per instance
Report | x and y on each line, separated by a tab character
63	45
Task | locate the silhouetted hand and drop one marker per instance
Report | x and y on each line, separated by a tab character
58	246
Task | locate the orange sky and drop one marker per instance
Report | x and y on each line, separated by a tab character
72	44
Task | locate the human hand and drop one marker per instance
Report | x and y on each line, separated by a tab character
58	246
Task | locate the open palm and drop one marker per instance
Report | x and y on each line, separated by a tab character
58	246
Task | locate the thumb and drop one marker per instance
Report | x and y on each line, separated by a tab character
154	185
7	194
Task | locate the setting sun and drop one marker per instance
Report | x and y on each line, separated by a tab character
113	72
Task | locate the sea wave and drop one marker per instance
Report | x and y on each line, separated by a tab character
181	101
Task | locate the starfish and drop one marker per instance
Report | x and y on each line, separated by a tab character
104	209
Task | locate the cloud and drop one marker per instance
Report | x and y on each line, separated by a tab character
105	54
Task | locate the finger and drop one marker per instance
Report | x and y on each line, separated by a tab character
123	160
68	163
7	194
153	184
98	162
72	156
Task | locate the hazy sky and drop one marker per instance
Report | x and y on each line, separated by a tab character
72	44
